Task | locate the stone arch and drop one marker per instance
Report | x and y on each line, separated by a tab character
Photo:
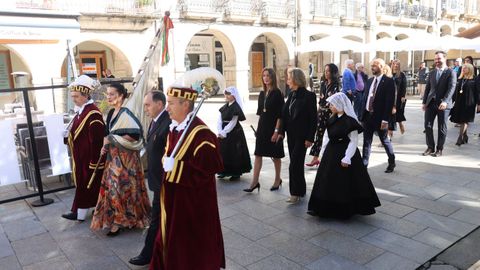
445	30
461	29
318	36
267	49
111	57
220	51
353	38
401	36
17	63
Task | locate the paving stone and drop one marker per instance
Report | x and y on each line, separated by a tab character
9	262
456	189
432	193
248	227
390	261
226	211
435	207
383	182
436	238
401	245
393	224
59	262
462	202
394	209
274	262
353	227
14	211
440	177
231	265
103	262
465	215
255	209
296	226
293	248
5	246
36	249
348	247
389	194
445	224
335	262
243	251
23	228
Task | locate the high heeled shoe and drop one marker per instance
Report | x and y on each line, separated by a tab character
313	163
273	188
465	138
253	188
460	141
293	199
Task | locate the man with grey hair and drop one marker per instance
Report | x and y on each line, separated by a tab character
348	80
457	66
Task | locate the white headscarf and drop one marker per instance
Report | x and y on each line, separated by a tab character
236	94
342	103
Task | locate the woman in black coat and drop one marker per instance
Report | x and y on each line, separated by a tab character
466	100
300	122
401	90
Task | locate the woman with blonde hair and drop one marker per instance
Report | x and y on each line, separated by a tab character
466	99
400	101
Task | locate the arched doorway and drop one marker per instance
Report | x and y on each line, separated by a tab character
12	62
267	50
94	56
212	48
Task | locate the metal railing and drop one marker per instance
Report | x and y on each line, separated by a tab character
126	7
453	6
347	9
200	6
242	7
284	9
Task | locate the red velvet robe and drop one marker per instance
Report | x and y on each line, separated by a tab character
190	235
85	141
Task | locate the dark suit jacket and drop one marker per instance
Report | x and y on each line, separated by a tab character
441	91
302	124
156	140
364	76
383	102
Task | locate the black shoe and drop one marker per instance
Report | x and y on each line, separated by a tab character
273	188
252	189
438	153
390	168
465	138
234	178
220	175
115	233
70	216
428	152
139	260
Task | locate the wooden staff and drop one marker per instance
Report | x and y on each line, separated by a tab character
94	171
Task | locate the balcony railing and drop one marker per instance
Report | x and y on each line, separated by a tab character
200	7
126	7
242	8
347	9
404	9
453	7
472	8
280	9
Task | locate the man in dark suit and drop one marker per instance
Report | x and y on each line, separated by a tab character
154	104
377	105
437	101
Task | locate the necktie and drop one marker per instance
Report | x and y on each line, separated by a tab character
150	129
372	98
439	72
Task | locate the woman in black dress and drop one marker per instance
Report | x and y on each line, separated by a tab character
233	145
269	140
401	90
466	99
330	85
342	186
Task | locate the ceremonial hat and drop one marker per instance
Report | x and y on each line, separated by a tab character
83	84
182	92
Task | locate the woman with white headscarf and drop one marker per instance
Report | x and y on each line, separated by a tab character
233	145
342	186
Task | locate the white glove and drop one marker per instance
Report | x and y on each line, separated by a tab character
168	164
65	133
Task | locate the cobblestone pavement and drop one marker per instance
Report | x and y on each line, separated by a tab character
428	203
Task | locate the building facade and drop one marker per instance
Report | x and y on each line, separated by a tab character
237	37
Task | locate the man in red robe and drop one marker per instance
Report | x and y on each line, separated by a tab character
190	236
85	140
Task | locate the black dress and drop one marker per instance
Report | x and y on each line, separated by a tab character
466	99
234	149
340	192
400	91
269	110
324	114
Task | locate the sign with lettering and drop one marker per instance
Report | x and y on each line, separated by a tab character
199	44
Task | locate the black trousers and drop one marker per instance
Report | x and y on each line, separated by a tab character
370	129
296	169
147	250
431	113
